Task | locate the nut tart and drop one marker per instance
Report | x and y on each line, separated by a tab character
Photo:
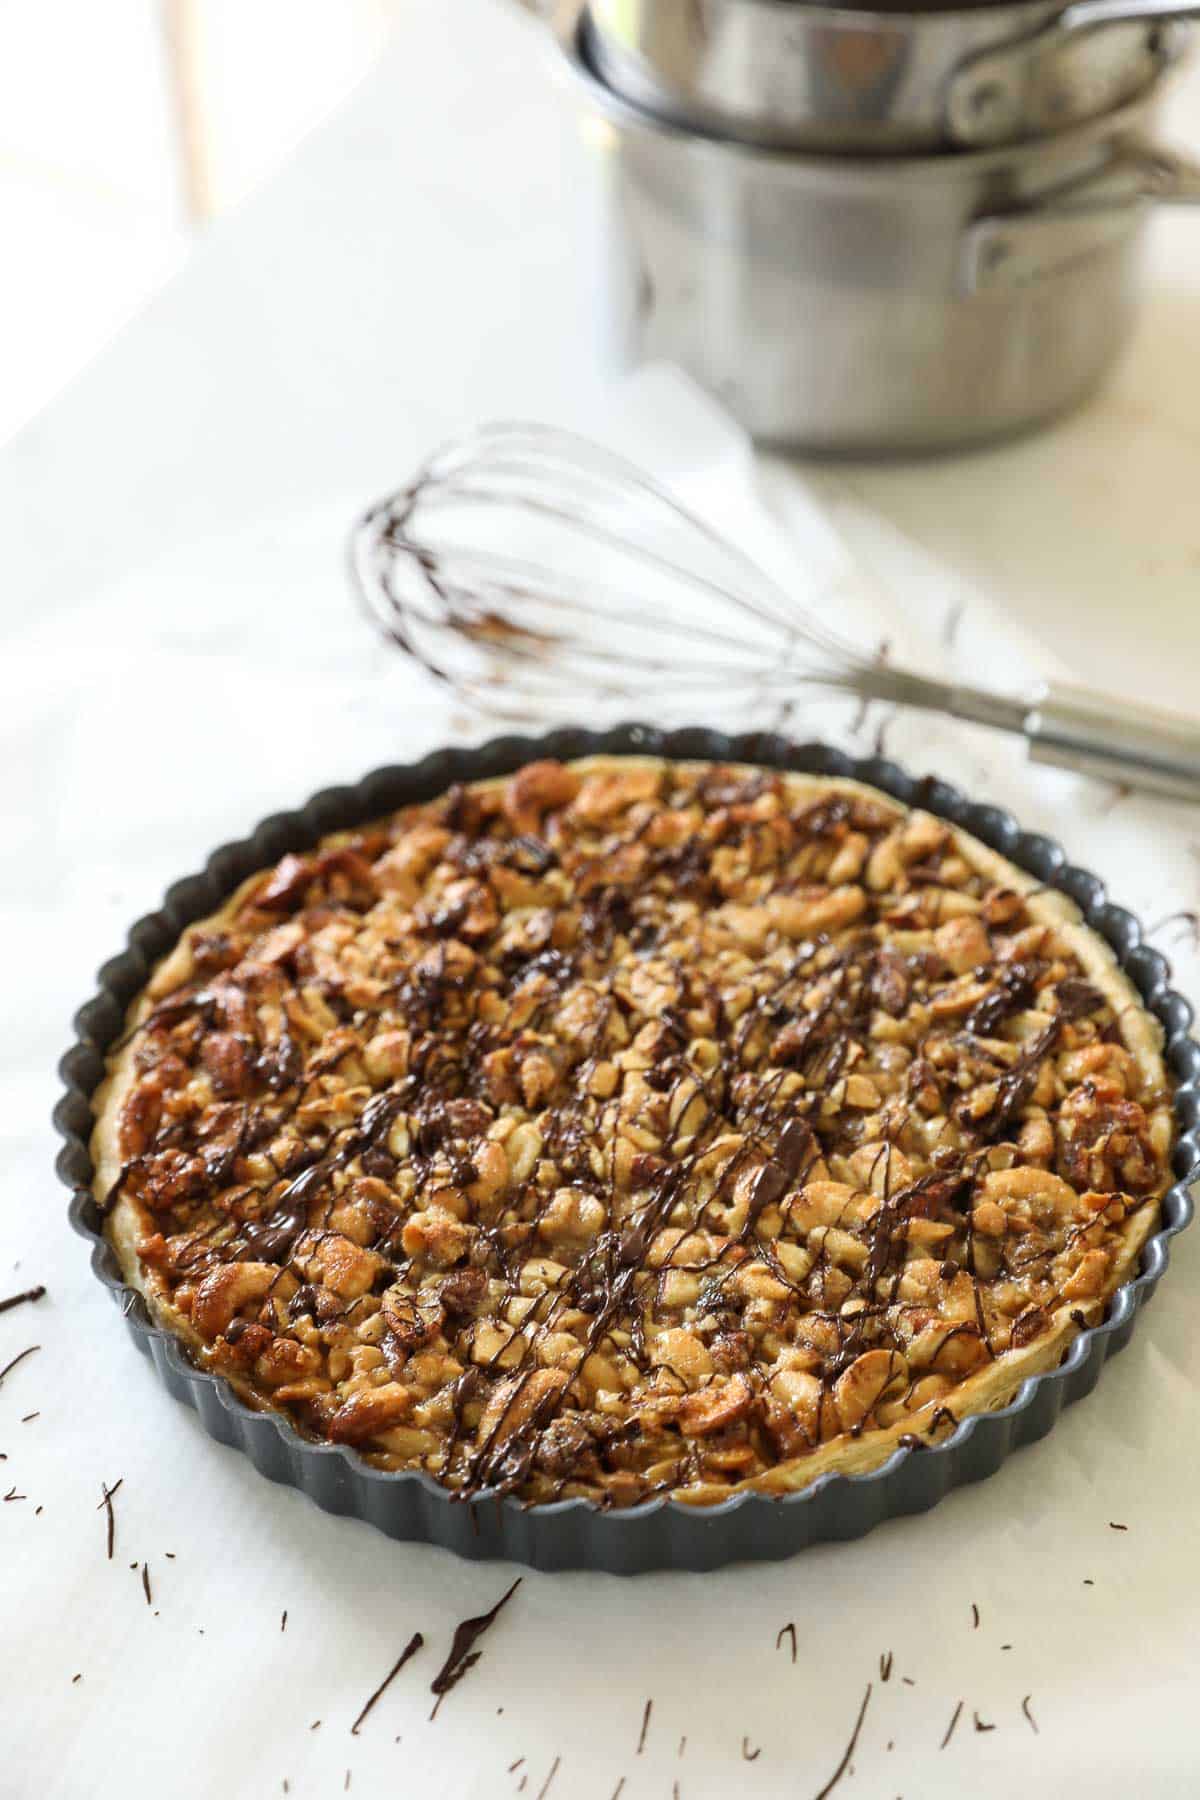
631	1127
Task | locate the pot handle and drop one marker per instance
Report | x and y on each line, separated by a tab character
1002	251
1009	89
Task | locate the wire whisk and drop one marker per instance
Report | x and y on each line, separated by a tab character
537	572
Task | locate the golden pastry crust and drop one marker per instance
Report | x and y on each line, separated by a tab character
634	1127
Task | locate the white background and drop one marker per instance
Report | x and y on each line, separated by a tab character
180	658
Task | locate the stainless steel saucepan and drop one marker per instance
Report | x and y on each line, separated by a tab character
869	305
826	77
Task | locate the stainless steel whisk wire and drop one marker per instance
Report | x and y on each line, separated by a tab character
452	477
518	632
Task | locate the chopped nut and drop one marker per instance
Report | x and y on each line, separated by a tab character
372	1410
226	1290
716	1407
864	1383
436	1237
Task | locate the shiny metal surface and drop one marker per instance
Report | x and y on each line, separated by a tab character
505	566
817	77
1095	734
869	305
1083	62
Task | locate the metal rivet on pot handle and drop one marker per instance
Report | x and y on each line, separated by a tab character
990	98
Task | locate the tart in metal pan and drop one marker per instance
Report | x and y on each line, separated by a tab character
804	1241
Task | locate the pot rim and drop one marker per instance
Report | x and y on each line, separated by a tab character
1021	10
957	167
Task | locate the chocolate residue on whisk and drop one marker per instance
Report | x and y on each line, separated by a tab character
462	1654
493	627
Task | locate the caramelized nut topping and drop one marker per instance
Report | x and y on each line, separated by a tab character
631	1128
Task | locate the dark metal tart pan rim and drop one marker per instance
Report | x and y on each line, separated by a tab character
663	1533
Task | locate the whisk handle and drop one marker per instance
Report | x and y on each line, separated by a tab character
1093	734
1120	740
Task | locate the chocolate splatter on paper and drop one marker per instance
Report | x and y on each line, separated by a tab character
641	1743
107	1503
954	1717
20	1358
849	1750
409	1651
1190	922
462	1654
545	1787
30	1294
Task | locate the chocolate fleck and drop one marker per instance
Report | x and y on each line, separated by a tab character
462	1656
8	1367
641	1743
545	1787
30	1294
849	1750
107	1503
950	1727
410	1650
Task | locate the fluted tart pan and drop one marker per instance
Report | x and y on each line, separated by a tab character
660	1533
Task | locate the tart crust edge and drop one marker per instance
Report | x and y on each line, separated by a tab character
987	1390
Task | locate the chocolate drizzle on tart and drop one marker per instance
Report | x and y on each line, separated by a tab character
632	1128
